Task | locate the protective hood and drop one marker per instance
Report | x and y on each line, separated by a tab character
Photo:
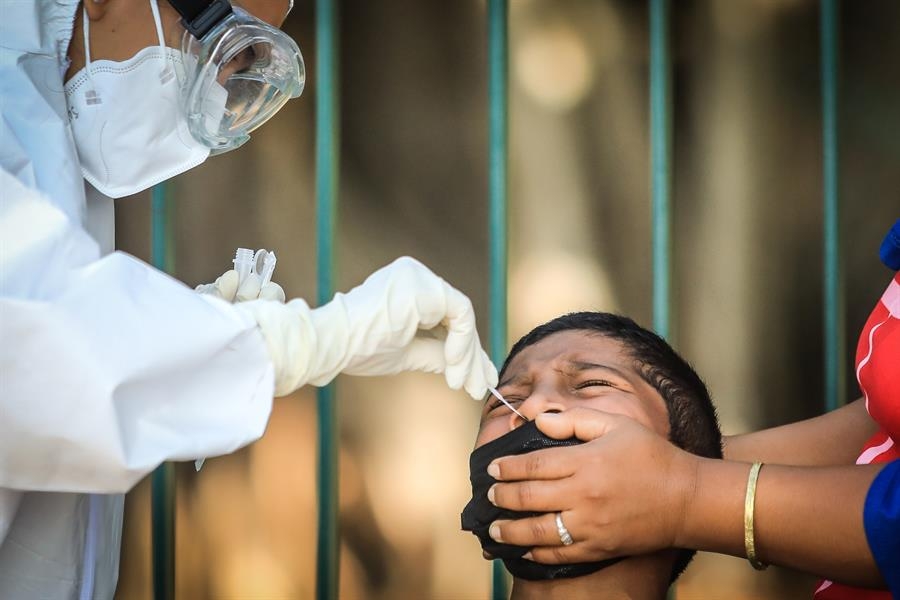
37	146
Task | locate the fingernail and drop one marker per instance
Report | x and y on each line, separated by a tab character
494	532
490	494
494	470
528	556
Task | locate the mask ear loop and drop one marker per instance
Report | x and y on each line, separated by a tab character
91	96
168	73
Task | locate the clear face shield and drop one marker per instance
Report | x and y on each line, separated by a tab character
238	71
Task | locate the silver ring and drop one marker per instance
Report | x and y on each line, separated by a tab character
564	536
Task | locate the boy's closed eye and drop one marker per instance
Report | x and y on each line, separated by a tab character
497	404
594	383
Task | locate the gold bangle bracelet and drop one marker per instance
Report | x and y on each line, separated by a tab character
749	502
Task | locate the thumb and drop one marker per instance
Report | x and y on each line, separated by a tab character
478	372
583	423
482	376
227	284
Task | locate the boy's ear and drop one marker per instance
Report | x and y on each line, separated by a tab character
95	9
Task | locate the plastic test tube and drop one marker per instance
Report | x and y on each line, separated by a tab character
243	263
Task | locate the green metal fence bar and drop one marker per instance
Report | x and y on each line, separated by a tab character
835	338
660	163
162	481
661	170
327	152
497	194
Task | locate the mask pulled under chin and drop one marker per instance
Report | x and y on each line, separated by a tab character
479	513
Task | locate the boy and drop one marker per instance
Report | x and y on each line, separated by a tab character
587	361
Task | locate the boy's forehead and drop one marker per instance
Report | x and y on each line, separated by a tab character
570	348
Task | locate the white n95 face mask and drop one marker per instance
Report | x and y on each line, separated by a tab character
127	120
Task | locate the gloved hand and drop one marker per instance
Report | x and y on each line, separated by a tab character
402	318
226	287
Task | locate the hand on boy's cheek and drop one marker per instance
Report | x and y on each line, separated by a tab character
623	461
481	516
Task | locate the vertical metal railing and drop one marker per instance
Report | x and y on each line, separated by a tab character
497	194
660	164
327	168
833	288
162	482
661	170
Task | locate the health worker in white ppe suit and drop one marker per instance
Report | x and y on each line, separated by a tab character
109	367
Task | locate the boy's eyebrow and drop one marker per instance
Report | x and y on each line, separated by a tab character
574	365
511	380
580	365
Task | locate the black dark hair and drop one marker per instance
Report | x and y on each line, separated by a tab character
693	423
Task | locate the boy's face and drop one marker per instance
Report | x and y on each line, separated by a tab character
567	369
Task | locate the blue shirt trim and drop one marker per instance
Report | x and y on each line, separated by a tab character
881	517
890	248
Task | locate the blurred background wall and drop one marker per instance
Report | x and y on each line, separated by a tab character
747	283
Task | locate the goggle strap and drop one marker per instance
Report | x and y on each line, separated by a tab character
199	16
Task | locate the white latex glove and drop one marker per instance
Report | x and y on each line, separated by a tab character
226	288
402	318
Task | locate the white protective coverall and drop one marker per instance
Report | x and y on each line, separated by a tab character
114	363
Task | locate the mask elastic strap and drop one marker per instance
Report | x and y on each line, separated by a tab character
167	73
91	96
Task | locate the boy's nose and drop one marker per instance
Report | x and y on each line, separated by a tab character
533	406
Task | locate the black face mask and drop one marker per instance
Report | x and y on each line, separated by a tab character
479	513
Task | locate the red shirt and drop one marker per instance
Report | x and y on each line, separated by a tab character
878	373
